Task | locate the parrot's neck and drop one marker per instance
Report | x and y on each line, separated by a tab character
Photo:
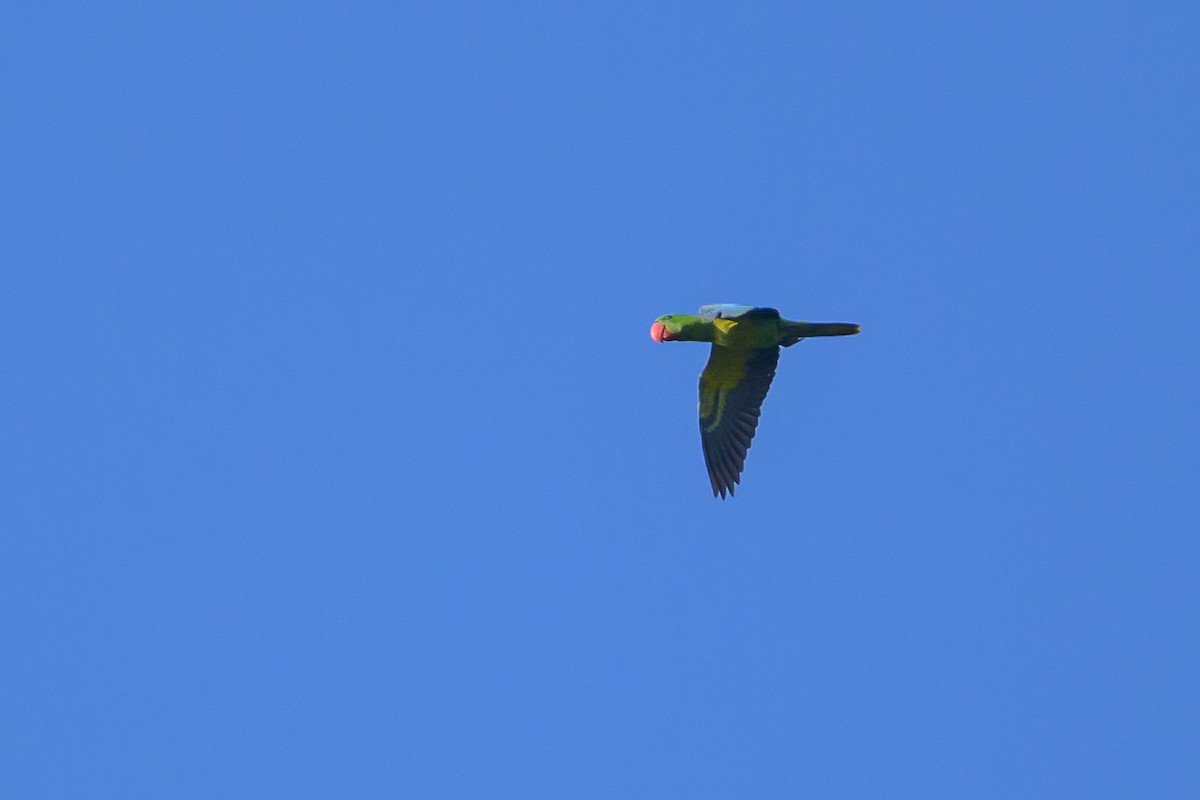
697	331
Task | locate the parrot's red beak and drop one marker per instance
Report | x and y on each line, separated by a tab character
659	333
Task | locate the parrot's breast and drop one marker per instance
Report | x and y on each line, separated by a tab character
747	333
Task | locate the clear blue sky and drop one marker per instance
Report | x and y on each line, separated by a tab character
340	463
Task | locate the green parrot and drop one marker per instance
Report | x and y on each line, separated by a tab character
745	349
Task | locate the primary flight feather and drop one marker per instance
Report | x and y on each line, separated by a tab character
745	350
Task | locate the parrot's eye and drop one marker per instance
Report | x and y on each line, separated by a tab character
668	316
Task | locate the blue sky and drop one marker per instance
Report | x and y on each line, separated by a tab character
340	461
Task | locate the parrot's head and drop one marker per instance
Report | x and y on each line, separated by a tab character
674	327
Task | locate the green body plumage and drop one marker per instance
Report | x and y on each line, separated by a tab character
750	331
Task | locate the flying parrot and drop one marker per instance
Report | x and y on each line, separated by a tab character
745	349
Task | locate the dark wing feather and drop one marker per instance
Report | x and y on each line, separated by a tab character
732	388
735	311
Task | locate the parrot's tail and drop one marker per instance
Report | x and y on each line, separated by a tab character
795	331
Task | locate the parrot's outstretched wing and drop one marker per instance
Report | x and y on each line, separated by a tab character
733	311
732	388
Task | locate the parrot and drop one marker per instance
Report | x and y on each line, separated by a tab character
745	351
